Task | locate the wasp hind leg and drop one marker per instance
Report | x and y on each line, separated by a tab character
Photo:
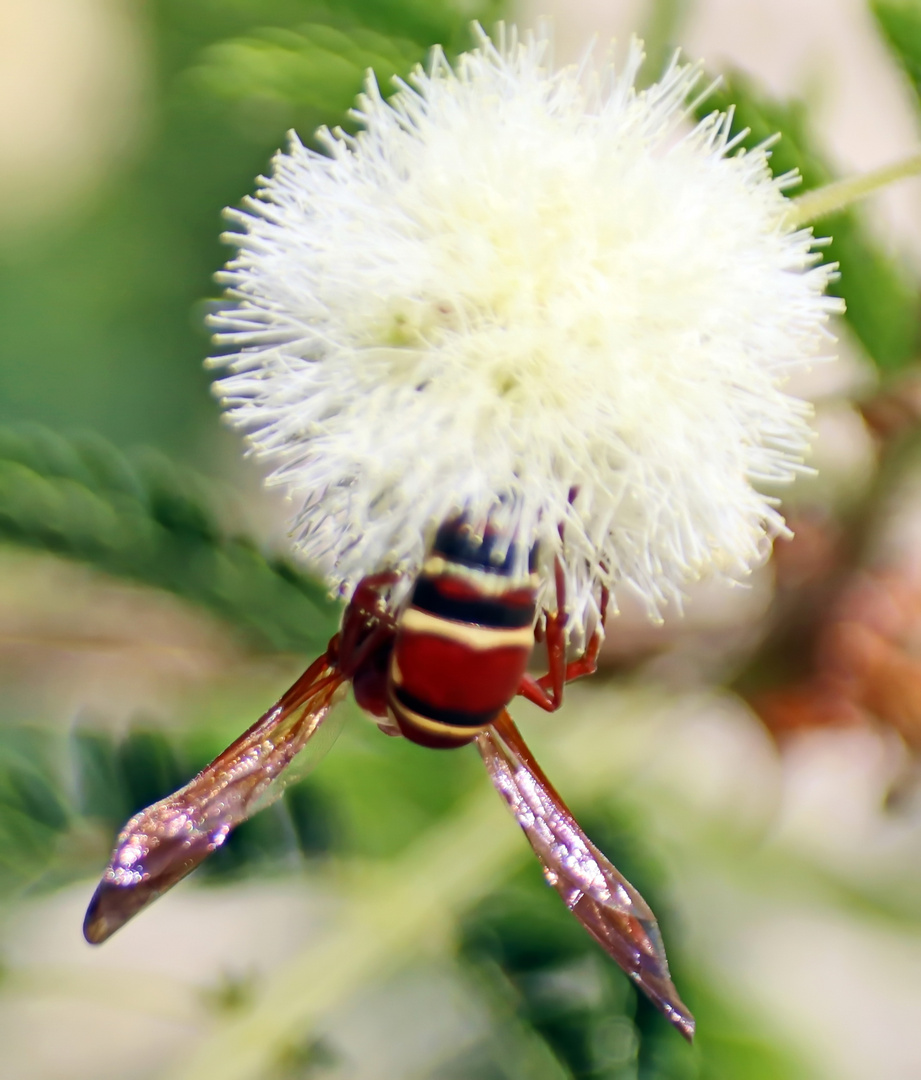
547	691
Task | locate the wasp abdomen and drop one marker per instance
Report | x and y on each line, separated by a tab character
461	648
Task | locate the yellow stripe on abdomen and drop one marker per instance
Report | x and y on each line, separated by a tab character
476	637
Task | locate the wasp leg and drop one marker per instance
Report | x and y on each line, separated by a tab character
547	691
366	622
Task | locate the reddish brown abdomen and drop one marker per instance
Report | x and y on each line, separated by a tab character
459	655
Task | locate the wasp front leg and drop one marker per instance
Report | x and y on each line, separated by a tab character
363	645
547	691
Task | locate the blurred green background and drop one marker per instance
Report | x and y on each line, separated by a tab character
386	919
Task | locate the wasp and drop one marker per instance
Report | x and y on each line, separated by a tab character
439	668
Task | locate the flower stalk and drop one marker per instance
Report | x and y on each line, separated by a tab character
842	194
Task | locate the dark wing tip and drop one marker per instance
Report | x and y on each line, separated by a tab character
97	926
635	944
680	1017
111	907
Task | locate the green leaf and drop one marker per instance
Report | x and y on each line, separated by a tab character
900	22
148	520
312	68
661	34
313	817
33	814
29	789
27	849
43	838
883	305
528	948
534	961
389	790
100	787
101	311
149	766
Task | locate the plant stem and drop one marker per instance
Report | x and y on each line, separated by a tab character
843	193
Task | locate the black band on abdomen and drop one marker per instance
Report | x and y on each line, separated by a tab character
449	717
493	612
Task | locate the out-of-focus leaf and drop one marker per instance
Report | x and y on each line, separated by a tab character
99	314
150	767
387	791
100	788
900	21
661	34
310	68
314	818
37	752
32	811
25	788
883	306
733	1041
27	847
148	520
534	958
112	778
189	25
152	764
562	985
538	967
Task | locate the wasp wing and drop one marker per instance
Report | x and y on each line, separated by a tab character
606	904
163	843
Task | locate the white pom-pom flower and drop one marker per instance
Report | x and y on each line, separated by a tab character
535	298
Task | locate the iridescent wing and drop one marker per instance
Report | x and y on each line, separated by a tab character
606	904
163	843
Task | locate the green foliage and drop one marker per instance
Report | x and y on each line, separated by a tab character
188	26
302	69
388	791
33	815
543	974
534	960
732	1042
883	304
900	21
101	316
146	519
661	34
55	791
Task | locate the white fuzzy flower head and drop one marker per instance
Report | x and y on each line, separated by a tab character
532	297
